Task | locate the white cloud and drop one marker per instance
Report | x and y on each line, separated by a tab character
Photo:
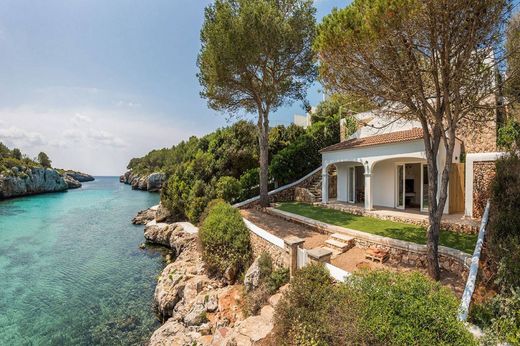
15	137
78	119
97	141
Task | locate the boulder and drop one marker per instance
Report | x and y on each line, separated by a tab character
155	181
163	214
171	333
144	216
158	233
252	276
196	316
71	182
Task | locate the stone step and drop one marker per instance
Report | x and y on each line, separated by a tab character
338	245
335	252
342	238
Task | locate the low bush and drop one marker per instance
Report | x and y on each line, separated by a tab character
225	239
228	188
374	308
270	281
499	317
503	238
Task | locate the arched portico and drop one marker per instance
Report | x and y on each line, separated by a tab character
368	175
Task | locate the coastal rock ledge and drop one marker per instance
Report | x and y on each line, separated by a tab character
197	309
151	183
23	181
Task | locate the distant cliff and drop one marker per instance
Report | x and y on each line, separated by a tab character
152	182
23	181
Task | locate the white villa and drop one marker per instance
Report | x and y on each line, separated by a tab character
384	166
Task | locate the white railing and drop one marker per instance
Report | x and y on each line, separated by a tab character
264	234
337	273
281	188
473	269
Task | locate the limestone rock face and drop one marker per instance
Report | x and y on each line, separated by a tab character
163	214
81	177
144	216
152	182
198	309
172	333
31	181
155	181
252	277
158	233
71	182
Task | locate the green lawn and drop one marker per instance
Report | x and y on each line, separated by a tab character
391	229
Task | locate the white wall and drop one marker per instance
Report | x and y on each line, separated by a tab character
383	184
342	172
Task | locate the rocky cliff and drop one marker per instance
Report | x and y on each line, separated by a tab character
197	309
81	177
152	182
23	181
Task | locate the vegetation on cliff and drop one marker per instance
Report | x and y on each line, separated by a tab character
14	163
224	163
226	247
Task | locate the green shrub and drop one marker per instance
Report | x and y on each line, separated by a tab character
503	237
277	279
313	311
249	182
372	308
407	308
499	318
225	239
509	135
269	282
265	264
228	188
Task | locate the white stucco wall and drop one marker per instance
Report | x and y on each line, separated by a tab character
383	183
342	172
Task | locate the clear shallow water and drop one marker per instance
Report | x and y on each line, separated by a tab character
71	271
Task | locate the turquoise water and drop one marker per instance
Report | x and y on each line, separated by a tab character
71	271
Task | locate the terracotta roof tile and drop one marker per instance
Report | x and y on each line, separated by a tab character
386	138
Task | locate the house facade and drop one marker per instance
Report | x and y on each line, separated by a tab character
383	165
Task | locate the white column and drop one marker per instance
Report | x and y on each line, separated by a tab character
324	185
368	192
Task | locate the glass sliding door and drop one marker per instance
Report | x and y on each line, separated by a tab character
424	188
352	184
400	193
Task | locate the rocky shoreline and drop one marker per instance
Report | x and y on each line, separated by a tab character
195	308
24	181
152	182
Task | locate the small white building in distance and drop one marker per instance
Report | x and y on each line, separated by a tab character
303	120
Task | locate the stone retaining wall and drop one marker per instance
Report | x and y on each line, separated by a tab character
401	252
483	174
279	256
464	226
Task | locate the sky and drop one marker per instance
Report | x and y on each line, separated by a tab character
95	83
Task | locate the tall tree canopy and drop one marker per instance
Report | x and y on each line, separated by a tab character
44	160
430	59
256	56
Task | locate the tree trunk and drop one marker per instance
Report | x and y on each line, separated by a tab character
263	140
436	205
432	255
